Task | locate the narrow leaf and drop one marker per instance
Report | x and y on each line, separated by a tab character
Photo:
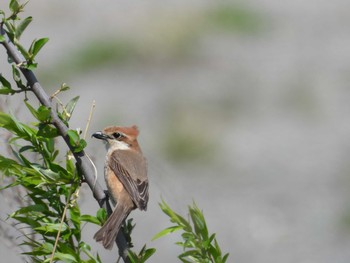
37	45
4	82
90	219
32	110
22	26
52	227
148	253
32	208
225	258
64	87
166	231
68	110
14	6
101	215
6	91
23	51
16	74
65	257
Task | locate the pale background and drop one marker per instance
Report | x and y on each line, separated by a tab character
243	106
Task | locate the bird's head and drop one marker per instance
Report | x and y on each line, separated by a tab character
119	138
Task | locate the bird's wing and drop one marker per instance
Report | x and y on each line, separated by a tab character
131	169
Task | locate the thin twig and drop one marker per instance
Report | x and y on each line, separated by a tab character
60	229
89	119
60	102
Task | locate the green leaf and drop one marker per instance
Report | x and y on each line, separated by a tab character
65	257
50	145
22	26
10	185
32	208
75	141
7	122
68	110
6	91
148	253
10	29
207	242
16	74
64	87
17	77
50	175
23	51
75	218
6	86
33	223
189	253
133	257
36	46
198	221
2	38
52	227
47	131
14	6
101	215
44	114
70	167
30	65
81	146
174	217
73	137
98	258
143	255
90	219
75	214
86	249
225	258
214	252
21	130
197	244
31	109
84	246
166	232
5	83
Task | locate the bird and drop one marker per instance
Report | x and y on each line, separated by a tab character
125	173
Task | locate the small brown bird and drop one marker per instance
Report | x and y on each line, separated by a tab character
126	178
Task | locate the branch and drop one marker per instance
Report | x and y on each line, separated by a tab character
83	161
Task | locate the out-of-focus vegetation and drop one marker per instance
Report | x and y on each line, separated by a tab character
168	39
234	19
197	243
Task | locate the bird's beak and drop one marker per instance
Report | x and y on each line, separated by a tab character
100	135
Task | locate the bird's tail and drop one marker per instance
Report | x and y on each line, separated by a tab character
109	231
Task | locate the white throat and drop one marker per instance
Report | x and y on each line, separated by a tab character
118	145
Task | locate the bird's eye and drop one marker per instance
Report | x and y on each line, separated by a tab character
117	135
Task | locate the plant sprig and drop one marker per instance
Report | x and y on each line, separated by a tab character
198	245
14	27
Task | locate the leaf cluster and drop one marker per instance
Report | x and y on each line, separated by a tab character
49	220
144	254
14	28
199	246
50	190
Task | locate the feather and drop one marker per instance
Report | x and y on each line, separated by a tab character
131	169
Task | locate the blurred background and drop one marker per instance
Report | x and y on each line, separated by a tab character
243	106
